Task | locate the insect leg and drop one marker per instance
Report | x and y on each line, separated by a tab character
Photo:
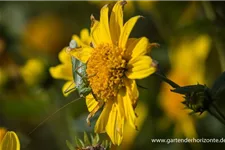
92	113
68	89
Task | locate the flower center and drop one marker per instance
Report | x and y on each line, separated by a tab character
105	70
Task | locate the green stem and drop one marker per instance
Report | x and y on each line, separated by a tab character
165	79
217	113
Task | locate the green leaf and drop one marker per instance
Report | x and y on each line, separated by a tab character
10	142
86	140
95	140
92	138
79	143
69	145
82	143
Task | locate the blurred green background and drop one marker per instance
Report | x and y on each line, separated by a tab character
192	50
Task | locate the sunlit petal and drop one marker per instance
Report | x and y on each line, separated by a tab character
64	57
63	71
103	118
115	125
82	54
126	30
116	21
68	87
140	68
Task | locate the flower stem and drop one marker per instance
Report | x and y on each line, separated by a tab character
165	79
214	111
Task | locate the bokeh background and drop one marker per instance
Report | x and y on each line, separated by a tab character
192	50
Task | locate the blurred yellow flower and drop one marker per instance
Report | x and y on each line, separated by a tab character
42	33
8	140
32	71
114	61
188	67
3	77
64	70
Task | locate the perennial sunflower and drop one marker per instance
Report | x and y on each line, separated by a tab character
64	70
113	62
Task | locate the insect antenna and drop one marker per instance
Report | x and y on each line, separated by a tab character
47	118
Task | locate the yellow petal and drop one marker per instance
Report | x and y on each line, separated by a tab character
104	25
91	102
103	118
82	54
140	67
126	30
140	48
132	90
93	106
95	32
131	43
62	71
116	21
84	39
68	88
126	107
115	125
78	41
10	142
85	36
3	131
64	57
136	47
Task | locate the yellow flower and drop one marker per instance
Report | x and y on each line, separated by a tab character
3	77
32	71
8	140
64	70
113	62
42	34
187	59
